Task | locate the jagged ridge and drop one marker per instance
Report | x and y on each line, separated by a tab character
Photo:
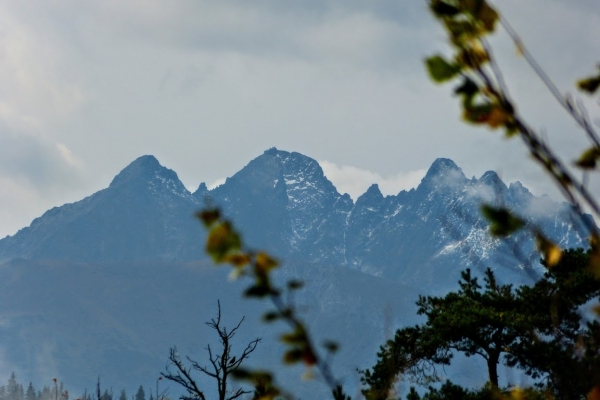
282	202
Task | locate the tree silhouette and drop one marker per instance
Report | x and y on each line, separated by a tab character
538	329
222	364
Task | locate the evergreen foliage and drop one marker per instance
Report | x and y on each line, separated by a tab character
540	329
140	394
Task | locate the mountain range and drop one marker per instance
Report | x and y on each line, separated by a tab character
282	202
107	284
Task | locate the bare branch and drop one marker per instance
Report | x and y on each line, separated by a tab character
182	376
222	364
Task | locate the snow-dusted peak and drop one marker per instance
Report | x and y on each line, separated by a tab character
444	172
491	178
143	167
146	173
441	165
295	170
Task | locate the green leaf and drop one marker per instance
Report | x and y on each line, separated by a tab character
473	56
589	158
589	85
468	88
460	31
487	16
296	337
208	216
511	128
441	70
238	260
241	374
222	239
264	263
477	114
257	291
443	9
293	356
271	316
503	222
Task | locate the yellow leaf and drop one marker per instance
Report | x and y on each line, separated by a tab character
265	263
497	117
238	259
517	394
472	55
222	239
552	253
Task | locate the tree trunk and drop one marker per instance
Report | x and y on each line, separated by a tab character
492	363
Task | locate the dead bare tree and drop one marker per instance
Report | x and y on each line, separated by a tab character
221	365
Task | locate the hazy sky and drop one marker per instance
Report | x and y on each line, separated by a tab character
206	86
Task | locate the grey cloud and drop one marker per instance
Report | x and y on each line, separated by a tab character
206	86
33	161
259	28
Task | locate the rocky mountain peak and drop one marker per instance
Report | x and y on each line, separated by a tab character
517	189
444	172
146	173
201	191
372	195
281	201
143	167
491	178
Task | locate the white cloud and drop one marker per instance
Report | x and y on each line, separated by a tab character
216	183
68	156
356	181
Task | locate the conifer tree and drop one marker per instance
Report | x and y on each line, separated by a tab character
30	393
14	391
140	394
538	329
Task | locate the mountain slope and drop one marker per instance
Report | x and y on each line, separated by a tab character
145	214
78	321
282	202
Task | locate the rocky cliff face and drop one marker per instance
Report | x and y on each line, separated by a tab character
283	203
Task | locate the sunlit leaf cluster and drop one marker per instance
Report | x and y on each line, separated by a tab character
467	23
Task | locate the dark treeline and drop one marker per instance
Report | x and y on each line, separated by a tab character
15	390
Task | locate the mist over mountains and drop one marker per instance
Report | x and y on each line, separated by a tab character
107	284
